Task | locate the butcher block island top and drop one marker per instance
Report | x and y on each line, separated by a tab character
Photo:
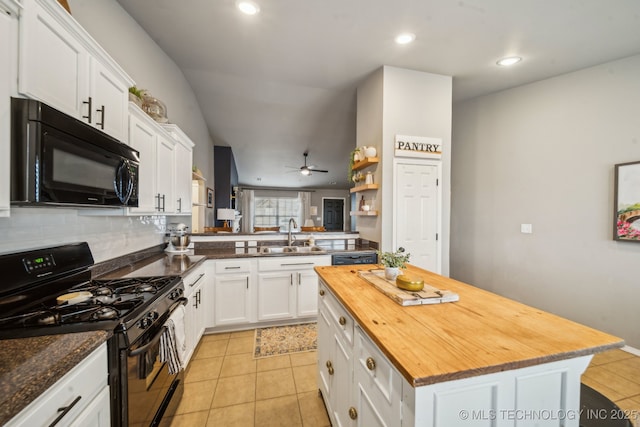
482	333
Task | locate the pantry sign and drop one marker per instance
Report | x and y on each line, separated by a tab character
418	146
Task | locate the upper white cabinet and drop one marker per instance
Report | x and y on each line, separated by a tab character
8	70
183	168
156	174
61	65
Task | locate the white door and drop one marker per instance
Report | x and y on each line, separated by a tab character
417	212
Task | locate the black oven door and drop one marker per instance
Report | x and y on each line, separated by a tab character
75	171
152	393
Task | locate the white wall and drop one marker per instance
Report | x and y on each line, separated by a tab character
395	101
544	154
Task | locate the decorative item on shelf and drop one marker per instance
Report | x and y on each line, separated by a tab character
135	95
393	262
154	107
361	206
369	178
226	215
369	151
354	157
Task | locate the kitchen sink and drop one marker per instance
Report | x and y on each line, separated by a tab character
291	249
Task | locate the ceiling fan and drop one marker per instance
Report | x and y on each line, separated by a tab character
306	170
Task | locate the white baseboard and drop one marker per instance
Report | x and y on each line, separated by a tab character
631	350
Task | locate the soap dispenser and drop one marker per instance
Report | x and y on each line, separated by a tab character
312	240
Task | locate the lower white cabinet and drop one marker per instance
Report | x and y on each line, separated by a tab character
232	303
79	398
196	308
287	287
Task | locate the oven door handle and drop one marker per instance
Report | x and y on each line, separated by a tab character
156	338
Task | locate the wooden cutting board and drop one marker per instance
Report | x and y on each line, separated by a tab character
428	295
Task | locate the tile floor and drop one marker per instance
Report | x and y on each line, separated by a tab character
616	374
226	386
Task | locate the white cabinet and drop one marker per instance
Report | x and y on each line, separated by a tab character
287	286
61	65
232	302
335	359
8	67
196	308
157	163
165	172
73	399
183	169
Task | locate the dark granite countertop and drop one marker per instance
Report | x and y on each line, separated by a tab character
29	366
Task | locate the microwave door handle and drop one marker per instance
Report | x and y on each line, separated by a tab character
123	178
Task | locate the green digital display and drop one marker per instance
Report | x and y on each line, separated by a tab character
38	260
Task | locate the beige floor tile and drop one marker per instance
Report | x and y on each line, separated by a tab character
305	378
187	420
610	356
242	334
628	368
240	345
275	383
274	362
602	388
214	348
304	358
215	337
278	412
613	380
232	416
312	409
203	369
238	364
631	409
197	397
234	391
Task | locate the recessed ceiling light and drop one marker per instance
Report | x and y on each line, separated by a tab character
248	7
510	60
405	38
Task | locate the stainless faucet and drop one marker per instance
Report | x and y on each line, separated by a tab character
290	238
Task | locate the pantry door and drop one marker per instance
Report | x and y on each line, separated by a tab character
417	211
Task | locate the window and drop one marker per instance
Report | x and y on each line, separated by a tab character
276	211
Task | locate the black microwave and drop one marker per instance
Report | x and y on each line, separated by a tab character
59	160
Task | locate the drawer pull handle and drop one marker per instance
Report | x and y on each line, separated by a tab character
197	280
65	410
353	414
371	364
321	292
232	268
330	370
342	320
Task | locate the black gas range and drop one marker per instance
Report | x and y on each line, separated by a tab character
50	291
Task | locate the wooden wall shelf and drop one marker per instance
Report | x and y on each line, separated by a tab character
364	213
368	161
365	187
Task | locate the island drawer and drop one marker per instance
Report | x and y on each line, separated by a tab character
233	266
340	318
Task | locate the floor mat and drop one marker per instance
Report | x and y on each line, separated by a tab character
277	340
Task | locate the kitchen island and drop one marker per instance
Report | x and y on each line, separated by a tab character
483	360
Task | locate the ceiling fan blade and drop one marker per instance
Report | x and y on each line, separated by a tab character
319	170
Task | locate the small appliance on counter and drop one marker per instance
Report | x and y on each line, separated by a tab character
179	238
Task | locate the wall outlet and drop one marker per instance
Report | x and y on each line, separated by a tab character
526	228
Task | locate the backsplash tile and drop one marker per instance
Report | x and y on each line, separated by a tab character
108	236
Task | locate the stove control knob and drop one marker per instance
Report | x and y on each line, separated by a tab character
176	293
145	323
153	315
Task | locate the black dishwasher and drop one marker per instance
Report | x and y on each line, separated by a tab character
349	258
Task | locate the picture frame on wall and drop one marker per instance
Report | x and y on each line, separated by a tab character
209	197
627	202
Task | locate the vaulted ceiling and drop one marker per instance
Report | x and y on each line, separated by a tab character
284	81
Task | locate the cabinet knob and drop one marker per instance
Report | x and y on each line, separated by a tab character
353	414
342	320
330	371
321	292
371	364
329	364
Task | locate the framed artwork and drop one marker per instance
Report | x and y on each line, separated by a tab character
627	202
209	197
